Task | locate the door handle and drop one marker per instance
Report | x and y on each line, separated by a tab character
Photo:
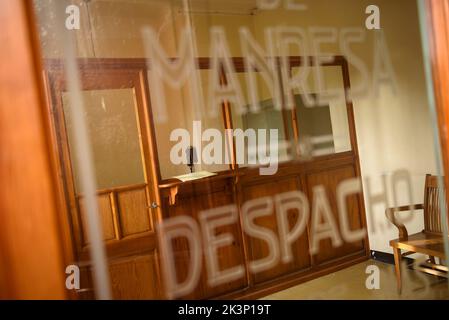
153	205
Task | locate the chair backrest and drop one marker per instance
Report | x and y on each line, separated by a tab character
432	213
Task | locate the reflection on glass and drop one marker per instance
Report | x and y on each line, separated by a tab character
324	126
268	117
210	121
181	109
112	123
315	125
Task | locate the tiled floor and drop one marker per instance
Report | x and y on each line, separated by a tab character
350	284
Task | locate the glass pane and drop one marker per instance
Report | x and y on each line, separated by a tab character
267	117
183	114
213	144
113	129
323	126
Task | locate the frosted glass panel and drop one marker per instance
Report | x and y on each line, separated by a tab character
111	119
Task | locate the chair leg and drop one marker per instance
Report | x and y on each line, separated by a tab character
397	267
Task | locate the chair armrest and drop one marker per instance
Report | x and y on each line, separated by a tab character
390	214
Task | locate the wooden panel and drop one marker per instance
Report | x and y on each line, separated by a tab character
133	212
216	195
330	180
258	249
105	210
293	279
194	197
135	278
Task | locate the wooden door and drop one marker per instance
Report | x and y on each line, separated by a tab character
117	116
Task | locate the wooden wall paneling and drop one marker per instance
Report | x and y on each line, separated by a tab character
133	212
130	277
237	186
106	217
354	153
191	201
294	175
284	282
211	193
258	249
303	183
239	198
330	180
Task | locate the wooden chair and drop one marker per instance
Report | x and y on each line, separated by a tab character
429	241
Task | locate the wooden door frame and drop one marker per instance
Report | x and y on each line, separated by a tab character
95	77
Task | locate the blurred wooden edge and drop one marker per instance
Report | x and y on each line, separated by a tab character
33	245
437	15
